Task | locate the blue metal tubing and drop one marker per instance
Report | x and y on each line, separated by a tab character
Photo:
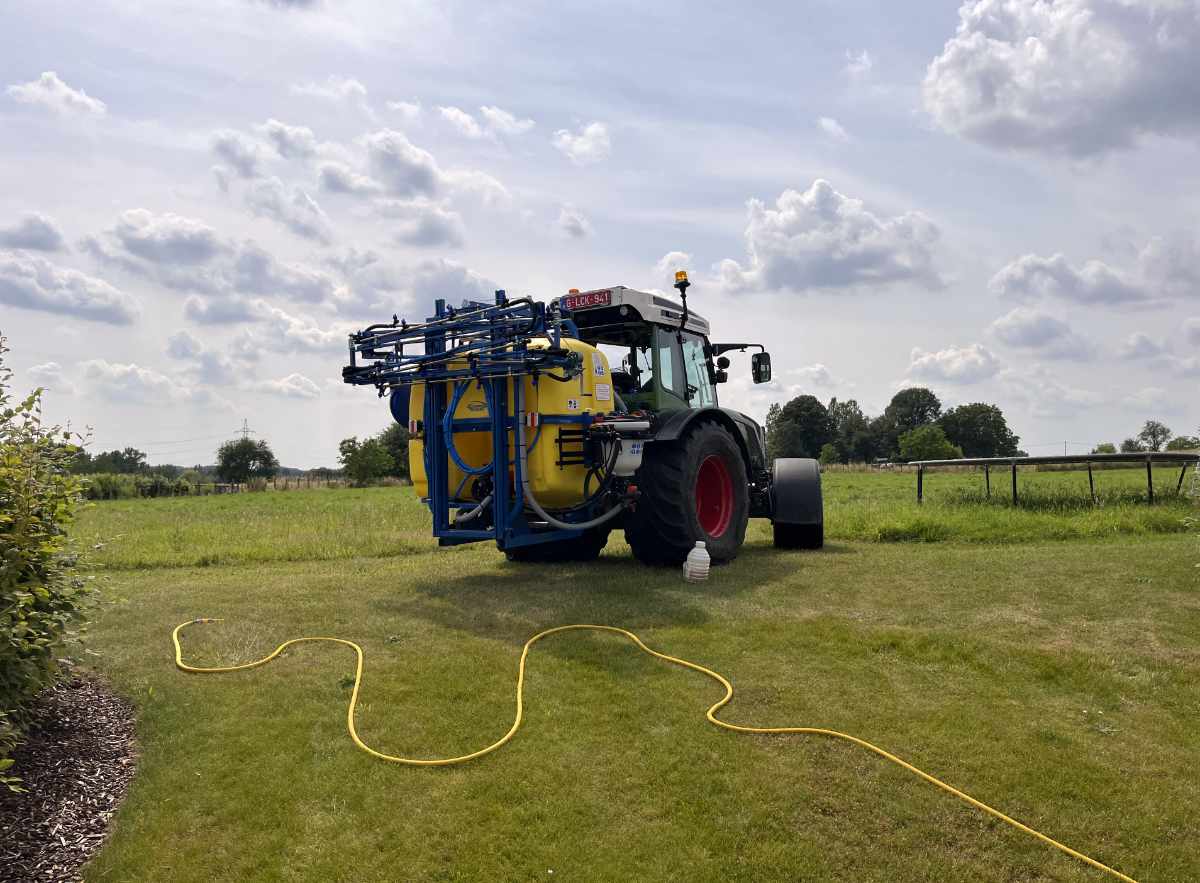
447	421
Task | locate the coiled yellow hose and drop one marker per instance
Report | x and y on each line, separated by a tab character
711	714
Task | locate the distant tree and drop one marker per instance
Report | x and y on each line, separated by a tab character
910	408
1105	448
1132	446
243	459
851	432
364	461
802	428
1184	443
127	461
928	442
772	427
829	454
395	441
1154	435
980	430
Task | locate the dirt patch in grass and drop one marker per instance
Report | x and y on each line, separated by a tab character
75	766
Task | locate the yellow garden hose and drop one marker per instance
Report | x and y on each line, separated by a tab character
711	715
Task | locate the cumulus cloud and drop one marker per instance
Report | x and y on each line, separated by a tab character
294	386
462	121
1049	336
404	168
1095	282
821	239
256	271
1140	345
243	154
832	128
33	283
423	223
380	287
408	110
288	333
502	122
134	384
1151	400
858	64
206	366
590	144
1045	395
573	223
337	177
34	232
294	209
672	261
968	364
1077	77
340	90
50	376
226	309
290	142
167	238
50	92
813	375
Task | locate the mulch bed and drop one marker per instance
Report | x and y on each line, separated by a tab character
75	763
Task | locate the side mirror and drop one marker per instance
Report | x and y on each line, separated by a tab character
760	367
722	362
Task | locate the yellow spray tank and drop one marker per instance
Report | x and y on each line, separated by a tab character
555	483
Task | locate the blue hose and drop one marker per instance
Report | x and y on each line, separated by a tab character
459	389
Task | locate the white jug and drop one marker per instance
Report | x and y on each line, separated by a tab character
695	568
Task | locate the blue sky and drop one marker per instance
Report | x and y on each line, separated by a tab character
998	200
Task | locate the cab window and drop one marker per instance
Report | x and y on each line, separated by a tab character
700	392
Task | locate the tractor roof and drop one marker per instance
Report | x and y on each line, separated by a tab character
649	306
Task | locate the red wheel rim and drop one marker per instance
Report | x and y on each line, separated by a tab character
714	496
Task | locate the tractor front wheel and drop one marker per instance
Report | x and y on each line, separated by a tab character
692	489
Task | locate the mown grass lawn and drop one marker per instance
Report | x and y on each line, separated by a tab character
1055	679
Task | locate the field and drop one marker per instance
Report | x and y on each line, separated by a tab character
1044	659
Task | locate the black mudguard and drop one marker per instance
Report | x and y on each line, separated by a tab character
796	491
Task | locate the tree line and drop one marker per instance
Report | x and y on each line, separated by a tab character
912	427
1154	436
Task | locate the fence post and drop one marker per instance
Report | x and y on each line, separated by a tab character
1014	483
920	483
1179	484
1091	483
1149	482
987	480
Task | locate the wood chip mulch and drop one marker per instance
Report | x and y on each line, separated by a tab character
76	763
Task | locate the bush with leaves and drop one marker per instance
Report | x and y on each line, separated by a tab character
41	594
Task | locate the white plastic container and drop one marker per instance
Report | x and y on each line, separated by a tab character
695	568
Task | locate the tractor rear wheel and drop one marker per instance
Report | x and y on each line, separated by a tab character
583	548
693	489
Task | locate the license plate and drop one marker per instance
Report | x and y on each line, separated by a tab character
587	299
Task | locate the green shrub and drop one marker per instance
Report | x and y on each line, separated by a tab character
41	595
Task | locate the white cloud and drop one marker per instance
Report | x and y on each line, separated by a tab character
50	376
244	154
858	64
207	366
462	121
968	364
290	142
404	168
1049	336
295	210
256	271
502	122
167	238
1154	401
380	288
821	239
134	384
35	232
337	177
288	333
670	262
294	386
1140	345
1073	76
423	223
50	92
573	223
832	128
340	90
1095	282
590	144
1045	396
813	375
409	110
33	283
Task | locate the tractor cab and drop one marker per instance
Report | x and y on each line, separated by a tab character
658	350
